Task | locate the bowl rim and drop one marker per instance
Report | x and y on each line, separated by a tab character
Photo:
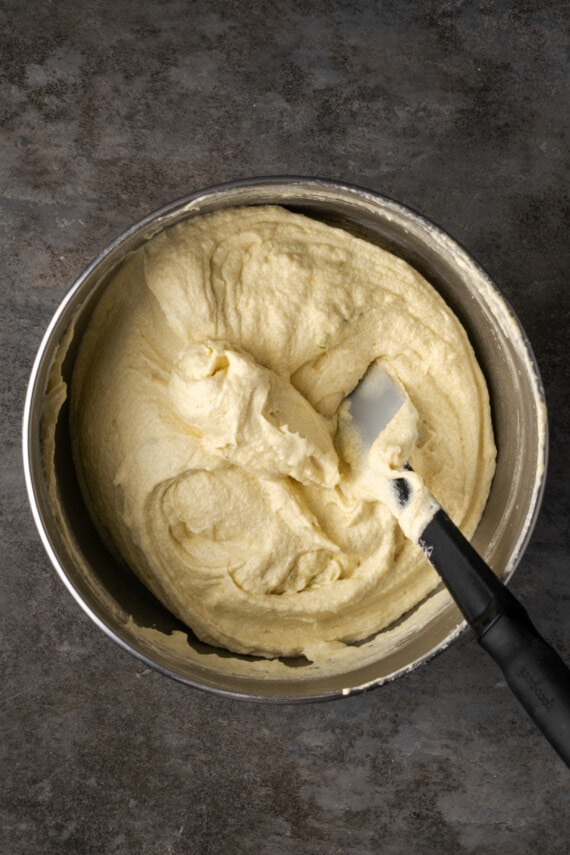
142	230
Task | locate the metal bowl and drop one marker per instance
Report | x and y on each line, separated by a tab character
110	593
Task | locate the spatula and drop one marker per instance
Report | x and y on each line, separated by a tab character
533	670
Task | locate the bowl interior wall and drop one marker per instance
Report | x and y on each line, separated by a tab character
124	608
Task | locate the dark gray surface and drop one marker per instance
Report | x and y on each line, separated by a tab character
110	110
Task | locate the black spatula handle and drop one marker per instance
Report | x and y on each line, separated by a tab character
533	670
535	673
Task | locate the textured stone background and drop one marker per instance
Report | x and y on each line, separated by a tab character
111	109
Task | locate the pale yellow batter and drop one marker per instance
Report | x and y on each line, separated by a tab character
205	412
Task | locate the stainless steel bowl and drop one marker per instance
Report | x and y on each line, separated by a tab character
119	604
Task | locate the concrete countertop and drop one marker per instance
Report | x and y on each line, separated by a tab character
110	110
